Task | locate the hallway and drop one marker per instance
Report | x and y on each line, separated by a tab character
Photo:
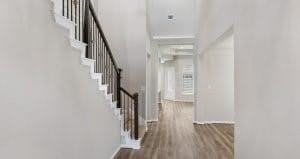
175	137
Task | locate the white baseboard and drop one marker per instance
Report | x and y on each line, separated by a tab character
198	122
116	152
213	122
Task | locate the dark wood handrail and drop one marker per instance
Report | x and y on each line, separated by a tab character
103	36
127	93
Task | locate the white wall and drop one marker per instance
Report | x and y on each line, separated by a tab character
148	88
49	106
216	85
267	74
124	24
152	110
215	19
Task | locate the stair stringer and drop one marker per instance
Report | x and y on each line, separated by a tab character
126	141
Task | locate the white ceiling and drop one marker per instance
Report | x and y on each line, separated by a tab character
183	25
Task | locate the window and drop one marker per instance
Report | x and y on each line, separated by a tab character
188	80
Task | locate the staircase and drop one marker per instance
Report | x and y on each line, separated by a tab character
86	35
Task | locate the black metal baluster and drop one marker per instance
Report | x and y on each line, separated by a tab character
108	70
114	85
96	52
106	66
124	114
68	9
96	48
102	53
76	25
63	7
103	63
107	73
131	130
128	113
119	88
71	3
79	20
92	36
97	55
109	76
86	31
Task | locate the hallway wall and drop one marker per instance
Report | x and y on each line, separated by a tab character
153	64
215	19
267	73
216	85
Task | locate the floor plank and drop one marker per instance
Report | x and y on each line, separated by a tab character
175	137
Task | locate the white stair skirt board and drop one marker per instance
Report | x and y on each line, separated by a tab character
70	26
213	122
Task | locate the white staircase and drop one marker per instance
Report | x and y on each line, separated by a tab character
126	141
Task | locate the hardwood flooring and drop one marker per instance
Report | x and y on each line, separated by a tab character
175	137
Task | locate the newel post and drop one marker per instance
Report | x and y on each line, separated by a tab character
86	28
119	88
136	116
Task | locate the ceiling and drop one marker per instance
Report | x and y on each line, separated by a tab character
183	24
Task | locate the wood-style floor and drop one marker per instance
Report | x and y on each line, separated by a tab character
175	137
